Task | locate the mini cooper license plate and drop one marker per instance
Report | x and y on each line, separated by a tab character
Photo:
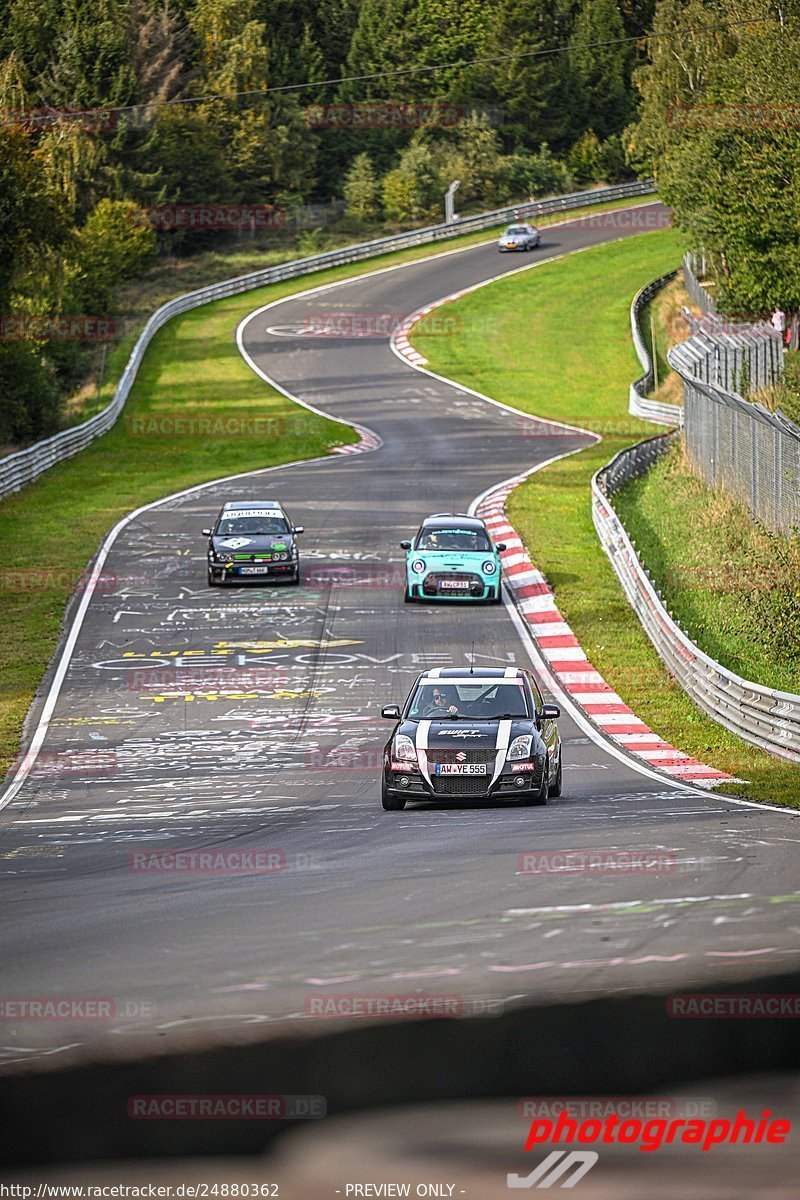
461	769
254	570
460	585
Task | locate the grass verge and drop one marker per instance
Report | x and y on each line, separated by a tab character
575	364
66	512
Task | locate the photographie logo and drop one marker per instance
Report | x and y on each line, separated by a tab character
57	329
596	861
168	217
554	1167
226	1107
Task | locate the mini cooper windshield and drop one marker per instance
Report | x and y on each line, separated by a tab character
470	700
453	539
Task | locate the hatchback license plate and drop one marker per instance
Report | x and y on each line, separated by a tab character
254	570
461	769
461	585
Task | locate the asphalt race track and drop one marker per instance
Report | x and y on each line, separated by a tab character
248	719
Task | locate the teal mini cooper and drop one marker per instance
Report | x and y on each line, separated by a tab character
452	557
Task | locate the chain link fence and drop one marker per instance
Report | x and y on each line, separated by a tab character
742	447
694	268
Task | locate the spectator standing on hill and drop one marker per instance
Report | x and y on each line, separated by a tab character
778	320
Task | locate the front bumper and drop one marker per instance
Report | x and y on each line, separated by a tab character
413	786
241	572
477	587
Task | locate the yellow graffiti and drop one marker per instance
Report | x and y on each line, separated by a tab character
290	644
230	647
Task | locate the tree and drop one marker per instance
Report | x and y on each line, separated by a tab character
604	71
584	160
114	244
361	188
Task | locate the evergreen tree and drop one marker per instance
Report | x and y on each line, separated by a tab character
361	188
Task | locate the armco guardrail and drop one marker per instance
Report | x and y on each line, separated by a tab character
767	718
638	403
18	469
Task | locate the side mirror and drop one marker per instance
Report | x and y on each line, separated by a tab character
405	545
298	529
550	712
391	711
206	532
500	546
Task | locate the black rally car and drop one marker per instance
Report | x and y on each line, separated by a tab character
253	539
481	734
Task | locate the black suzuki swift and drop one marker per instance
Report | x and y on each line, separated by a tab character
253	539
484	734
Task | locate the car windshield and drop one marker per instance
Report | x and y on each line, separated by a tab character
481	700
516	229
453	539
252	522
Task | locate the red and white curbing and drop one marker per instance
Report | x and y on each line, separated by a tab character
368	441
568	662
400	340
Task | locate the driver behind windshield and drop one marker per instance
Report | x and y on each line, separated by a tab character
441	703
254	526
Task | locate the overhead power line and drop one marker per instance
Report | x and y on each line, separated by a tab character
401	72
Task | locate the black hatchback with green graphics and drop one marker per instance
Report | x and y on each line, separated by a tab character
253	539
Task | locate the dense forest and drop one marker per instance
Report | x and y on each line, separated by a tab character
113	111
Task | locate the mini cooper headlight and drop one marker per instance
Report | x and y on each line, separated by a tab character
418	566
404	748
520	747
488	567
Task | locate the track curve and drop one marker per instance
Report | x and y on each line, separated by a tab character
249	719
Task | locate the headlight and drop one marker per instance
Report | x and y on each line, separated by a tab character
215	556
488	567
418	566
404	748
520	747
